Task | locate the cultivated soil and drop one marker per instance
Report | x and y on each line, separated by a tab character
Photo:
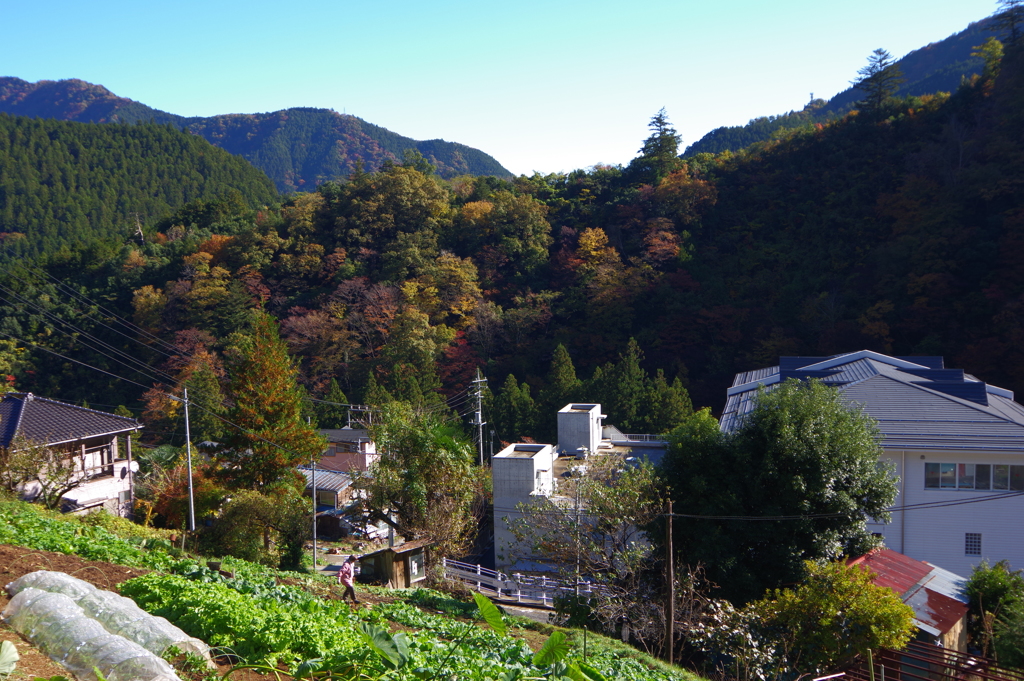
16	561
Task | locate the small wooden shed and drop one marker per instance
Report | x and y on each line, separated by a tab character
399	567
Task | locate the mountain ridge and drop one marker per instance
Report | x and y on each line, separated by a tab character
939	66
298	148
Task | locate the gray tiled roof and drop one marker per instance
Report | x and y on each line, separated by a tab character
918	404
42	420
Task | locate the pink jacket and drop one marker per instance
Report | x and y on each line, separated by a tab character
345	574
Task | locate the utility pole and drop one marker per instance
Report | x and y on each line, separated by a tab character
312	463
670	619
188	453
478	416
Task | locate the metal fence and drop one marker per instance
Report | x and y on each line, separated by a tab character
926	662
519	588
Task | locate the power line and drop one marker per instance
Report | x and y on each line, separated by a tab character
68	290
83	337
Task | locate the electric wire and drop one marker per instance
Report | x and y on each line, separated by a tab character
134	328
86	339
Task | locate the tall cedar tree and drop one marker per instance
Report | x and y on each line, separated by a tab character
272	437
879	80
515	412
333	415
1010	17
659	155
563	387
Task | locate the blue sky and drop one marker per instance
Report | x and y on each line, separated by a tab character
547	86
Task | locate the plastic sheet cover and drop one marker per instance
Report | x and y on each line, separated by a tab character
61	629
117	614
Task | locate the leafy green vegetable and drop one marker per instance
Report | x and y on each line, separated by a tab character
554	650
8	658
490	613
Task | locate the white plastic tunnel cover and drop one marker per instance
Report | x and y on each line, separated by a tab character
88	627
64	632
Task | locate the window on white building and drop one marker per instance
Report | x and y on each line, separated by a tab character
974	476
972	544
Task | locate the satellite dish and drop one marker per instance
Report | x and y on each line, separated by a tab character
134	466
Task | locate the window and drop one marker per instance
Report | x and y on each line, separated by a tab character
326	498
416	571
973	476
965	475
982	475
972	544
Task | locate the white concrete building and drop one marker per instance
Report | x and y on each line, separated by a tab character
957	445
520	474
579	428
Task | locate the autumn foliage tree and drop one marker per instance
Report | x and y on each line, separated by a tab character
268	435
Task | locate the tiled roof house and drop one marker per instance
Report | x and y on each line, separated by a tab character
90	436
957	445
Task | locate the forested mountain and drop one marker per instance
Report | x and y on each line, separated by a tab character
937	67
298	148
66	184
896	228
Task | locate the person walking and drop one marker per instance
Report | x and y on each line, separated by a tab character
346	575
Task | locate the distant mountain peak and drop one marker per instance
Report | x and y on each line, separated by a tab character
297	147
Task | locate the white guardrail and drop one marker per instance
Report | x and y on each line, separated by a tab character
525	589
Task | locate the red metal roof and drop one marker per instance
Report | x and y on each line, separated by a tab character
894	570
935	609
918	584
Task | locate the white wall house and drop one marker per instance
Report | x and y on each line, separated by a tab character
579	427
103	469
520	474
957	445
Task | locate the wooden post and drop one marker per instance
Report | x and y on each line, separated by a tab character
670	618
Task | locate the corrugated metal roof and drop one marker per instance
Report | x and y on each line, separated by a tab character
935	609
936	595
345	434
894	570
41	420
332	481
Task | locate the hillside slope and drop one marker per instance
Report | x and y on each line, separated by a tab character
298	148
68	184
937	67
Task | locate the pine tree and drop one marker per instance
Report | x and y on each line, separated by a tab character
272	437
562	388
515	412
375	394
659	155
627	400
668	404
332	415
1010	16
205	395
879	80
